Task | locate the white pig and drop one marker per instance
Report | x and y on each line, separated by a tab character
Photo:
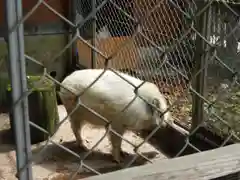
115	99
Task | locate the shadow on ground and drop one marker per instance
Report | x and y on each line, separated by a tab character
58	160
6	141
66	163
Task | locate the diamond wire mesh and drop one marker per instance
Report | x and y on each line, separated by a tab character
142	55
148	21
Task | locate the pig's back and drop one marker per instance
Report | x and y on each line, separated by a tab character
109	93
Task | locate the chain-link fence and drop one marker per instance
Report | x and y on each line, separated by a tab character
189	49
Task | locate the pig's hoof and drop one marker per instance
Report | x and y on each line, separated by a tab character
119	159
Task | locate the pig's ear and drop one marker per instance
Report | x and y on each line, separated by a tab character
155	112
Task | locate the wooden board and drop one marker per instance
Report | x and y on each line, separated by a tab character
204	165
126	56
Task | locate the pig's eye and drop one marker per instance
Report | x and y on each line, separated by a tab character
161	114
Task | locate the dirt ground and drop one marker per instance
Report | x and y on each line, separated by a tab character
56	163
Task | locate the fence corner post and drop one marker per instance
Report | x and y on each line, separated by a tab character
201	58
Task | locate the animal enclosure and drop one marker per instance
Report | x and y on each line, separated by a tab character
188	49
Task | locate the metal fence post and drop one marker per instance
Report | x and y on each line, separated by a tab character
93	53
203	25
19	86
73	50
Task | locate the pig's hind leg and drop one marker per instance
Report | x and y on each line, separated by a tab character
76	118
116	142
76	125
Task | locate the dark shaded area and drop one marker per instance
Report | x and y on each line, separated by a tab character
233	176
170	142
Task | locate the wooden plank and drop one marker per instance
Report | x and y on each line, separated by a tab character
205	165
126	57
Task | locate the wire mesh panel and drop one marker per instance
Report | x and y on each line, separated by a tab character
148	31
188	49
